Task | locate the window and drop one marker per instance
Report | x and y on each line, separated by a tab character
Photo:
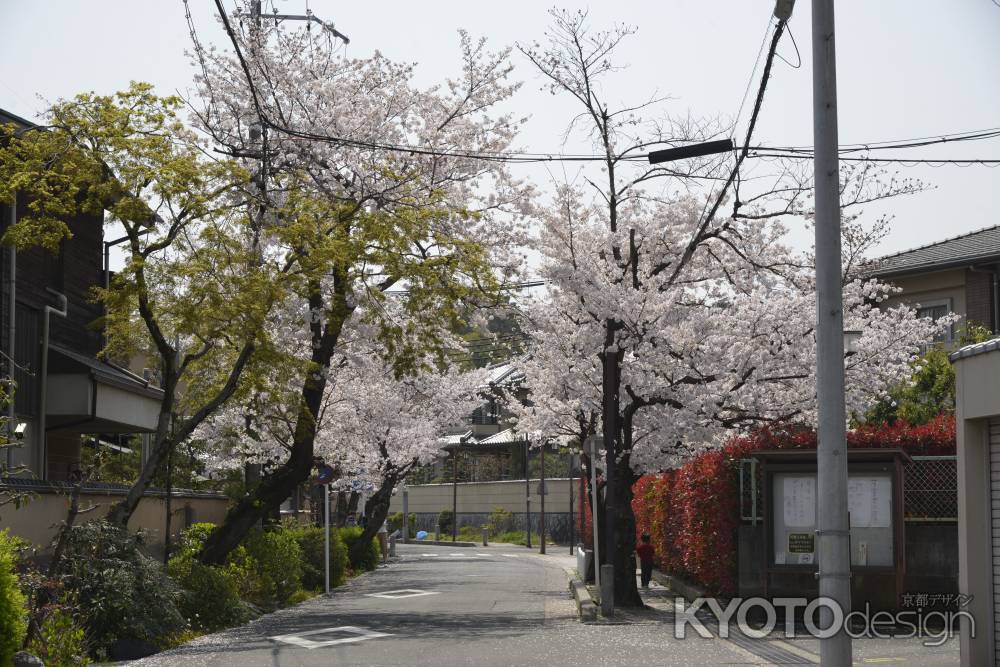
936	310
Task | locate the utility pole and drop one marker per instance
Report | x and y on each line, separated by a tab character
611	381
572	520
593	446
527	493
833	533
541	493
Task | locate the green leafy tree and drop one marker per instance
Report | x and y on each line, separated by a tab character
194	292
931	390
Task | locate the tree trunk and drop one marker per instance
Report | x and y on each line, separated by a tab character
376	510
626	589
340	514
272	491
352	503
277	486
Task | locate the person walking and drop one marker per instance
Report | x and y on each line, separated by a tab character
383	540
645	553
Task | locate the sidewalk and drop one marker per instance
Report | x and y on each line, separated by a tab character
661	613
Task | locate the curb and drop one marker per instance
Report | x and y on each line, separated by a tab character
584	603
442	543
685	589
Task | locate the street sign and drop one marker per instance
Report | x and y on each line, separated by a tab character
324	474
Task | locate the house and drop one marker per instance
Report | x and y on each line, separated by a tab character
65	394
490	466
958	275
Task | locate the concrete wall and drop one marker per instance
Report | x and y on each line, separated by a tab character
977	400
38	520
483	497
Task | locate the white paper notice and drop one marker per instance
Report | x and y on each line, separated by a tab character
800	501
869	501
779	558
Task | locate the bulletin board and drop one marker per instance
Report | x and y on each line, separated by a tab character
869	503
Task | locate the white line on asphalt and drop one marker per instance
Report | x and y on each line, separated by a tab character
401	594
359	635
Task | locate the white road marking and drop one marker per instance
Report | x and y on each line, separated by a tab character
401	594
359	635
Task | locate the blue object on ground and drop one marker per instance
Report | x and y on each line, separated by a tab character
421	534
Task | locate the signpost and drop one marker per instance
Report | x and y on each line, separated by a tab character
324	475
593	445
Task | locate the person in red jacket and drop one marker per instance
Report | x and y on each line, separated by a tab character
645	553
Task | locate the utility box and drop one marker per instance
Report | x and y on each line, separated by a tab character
875	507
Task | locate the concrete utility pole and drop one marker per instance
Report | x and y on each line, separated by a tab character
593	446
541	493
833	549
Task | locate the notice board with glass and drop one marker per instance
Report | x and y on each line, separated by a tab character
869	504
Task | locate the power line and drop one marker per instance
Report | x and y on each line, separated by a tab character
966	162
918	142
528	157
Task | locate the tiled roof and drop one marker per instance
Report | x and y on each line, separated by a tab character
976	349
972	248
8	117
505	437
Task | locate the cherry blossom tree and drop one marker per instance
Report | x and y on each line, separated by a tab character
374	425
683	323
355	216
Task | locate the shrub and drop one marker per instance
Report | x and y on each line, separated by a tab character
396	522
211	599
126	594
193	539
13	614
702	545
445	519
61	638
310	540
370	558
270	562
501	521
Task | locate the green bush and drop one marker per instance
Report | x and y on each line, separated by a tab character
211	599
13	613
270	565
61	638
193	539
445	519
396	522
501	521
370	558
125	594
310	540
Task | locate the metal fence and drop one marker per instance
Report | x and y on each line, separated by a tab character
557	524
930	490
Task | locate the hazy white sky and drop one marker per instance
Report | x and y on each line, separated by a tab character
906	68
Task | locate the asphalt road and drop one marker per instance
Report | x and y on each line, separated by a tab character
483	607
500	605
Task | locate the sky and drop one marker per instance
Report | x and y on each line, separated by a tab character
905	68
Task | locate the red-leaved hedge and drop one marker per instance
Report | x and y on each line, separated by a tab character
692	513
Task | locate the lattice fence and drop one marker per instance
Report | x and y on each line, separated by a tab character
930	490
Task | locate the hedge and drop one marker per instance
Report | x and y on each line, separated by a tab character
692	513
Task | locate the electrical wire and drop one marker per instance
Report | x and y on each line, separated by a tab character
526	157
917	142
909	162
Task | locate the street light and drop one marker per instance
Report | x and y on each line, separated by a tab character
692	150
